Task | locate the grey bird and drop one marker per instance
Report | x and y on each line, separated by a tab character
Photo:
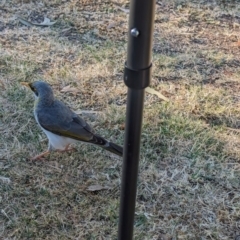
61	125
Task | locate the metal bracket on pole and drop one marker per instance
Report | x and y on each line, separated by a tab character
137	79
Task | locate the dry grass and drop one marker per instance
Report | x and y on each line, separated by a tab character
189	176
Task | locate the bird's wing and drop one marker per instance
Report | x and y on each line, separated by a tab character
59	119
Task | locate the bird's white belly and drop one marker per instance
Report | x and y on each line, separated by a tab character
56	141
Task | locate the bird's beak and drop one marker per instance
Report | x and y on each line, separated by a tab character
26	84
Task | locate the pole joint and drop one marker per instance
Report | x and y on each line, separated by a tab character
137	79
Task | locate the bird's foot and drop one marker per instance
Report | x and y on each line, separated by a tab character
68	149
39	156
43	154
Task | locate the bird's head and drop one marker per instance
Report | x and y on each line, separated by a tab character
41	90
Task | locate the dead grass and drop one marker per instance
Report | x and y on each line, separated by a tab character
188	184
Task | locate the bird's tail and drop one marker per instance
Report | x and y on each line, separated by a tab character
109	146
114	148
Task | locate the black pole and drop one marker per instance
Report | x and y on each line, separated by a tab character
137	76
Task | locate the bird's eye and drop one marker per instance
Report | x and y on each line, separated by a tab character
34	90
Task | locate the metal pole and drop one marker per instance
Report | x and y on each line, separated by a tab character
137	76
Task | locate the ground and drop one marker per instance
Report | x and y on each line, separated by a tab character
189	175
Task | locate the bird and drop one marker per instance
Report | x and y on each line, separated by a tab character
61	125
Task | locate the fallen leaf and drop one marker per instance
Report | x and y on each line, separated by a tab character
152	91
123	9
70	89
94	188
46	22
25	22
86	112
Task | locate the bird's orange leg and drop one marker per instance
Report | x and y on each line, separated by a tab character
39	156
